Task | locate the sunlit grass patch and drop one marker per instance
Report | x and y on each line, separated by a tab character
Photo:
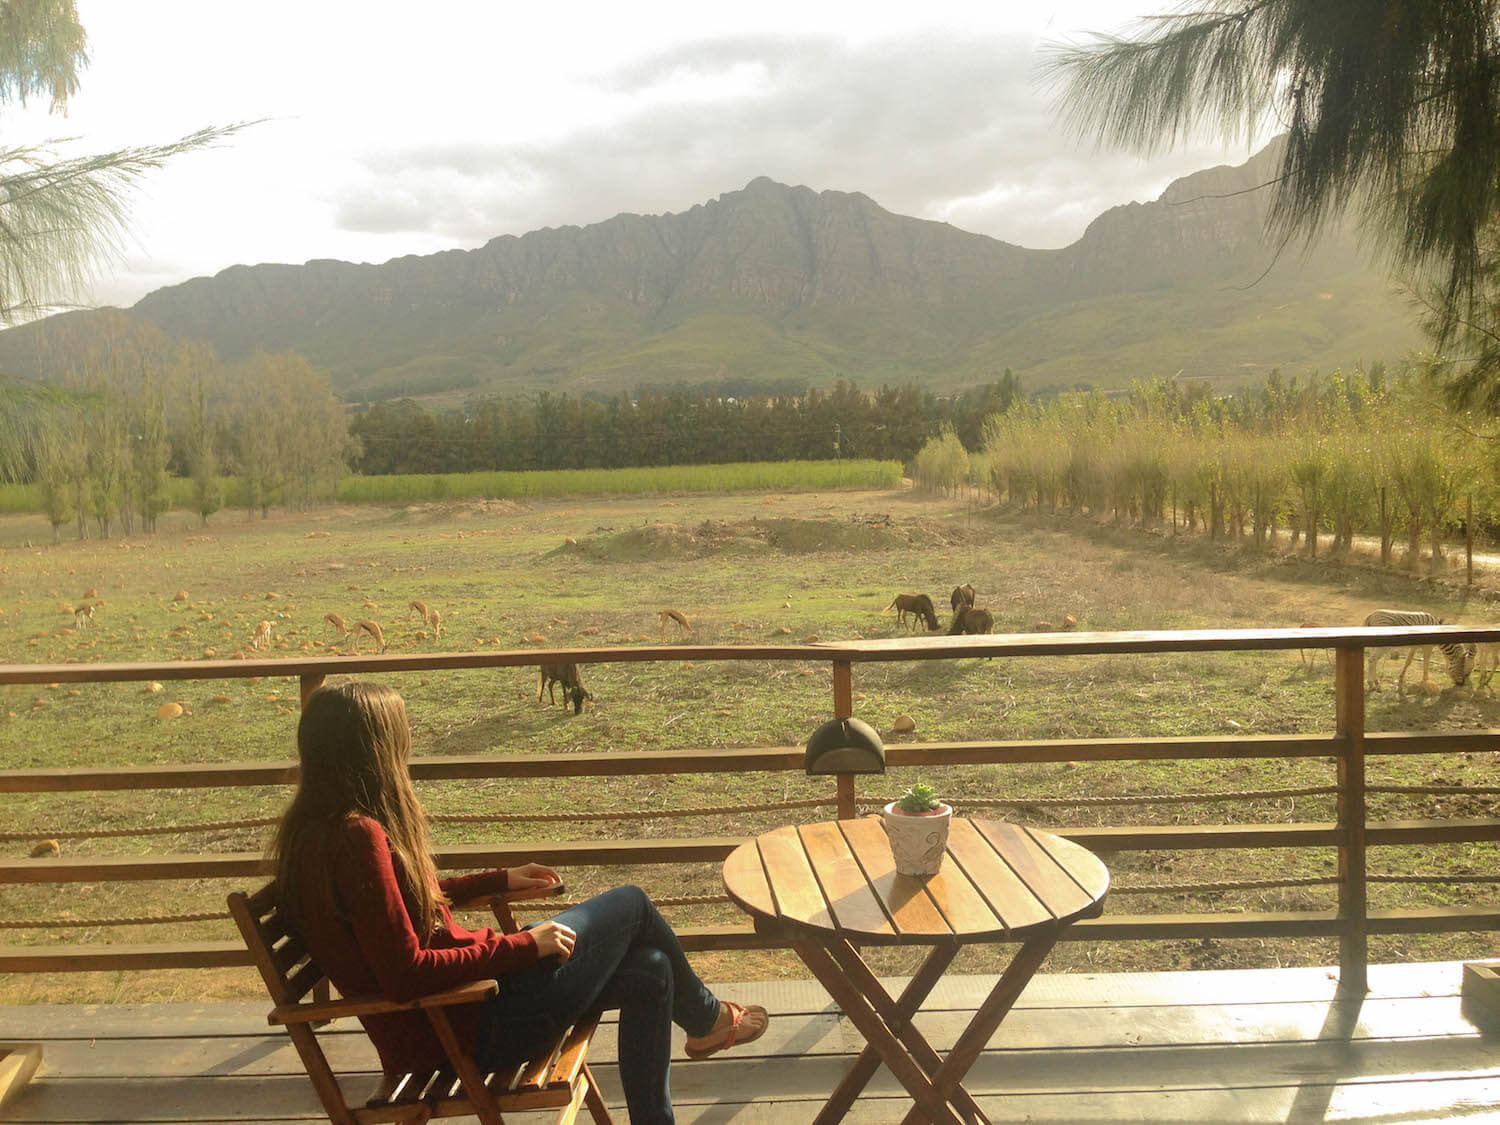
502	572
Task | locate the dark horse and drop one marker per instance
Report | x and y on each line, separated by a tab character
962	595
919	606
971	620
572	684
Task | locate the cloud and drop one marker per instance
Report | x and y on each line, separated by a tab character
937	126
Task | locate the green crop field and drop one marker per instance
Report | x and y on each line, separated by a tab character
747	567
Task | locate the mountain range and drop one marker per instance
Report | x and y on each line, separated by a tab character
778	286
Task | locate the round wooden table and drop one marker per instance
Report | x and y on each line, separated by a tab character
829	888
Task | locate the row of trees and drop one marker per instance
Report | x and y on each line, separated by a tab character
136	407
130	407
677	427
1347	455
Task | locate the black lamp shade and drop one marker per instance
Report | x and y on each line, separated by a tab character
845	746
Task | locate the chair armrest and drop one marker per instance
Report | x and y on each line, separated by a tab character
499	903
486	902
321	1011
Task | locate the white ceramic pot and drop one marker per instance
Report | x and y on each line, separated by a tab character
918	839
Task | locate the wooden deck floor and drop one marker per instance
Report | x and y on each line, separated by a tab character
1210	1047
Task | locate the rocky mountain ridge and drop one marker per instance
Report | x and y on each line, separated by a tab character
773	282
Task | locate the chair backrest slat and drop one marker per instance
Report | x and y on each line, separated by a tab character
300	981
248	917
263	900
288	955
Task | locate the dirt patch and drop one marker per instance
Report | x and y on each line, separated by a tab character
441	511
731	538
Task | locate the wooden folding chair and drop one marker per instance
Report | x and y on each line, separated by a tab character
559	1077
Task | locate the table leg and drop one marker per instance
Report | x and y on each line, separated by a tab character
988	1018
930	1109
897	1016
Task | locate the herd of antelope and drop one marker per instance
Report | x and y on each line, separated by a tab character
1463	660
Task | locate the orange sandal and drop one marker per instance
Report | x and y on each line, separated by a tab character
731	1034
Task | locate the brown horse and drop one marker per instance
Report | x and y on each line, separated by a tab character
918	605
962	595
971	620
572	684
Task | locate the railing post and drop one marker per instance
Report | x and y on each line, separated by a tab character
1349	711
843	708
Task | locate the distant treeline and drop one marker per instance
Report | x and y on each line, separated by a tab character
676	427
134	422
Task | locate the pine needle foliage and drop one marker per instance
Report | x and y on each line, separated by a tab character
42	49
60	215
1391	110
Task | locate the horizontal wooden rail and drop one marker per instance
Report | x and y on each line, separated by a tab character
738	760
1007	645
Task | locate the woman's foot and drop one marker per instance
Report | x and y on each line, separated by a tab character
737	1023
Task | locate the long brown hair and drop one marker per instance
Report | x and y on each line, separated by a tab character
353	742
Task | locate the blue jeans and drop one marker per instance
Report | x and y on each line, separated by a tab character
626	957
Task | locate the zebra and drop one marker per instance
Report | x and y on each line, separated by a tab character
1460	657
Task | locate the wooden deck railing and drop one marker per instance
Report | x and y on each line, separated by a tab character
1346	744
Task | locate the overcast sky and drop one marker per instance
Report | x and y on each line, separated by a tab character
398	129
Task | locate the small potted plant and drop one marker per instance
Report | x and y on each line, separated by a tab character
917	824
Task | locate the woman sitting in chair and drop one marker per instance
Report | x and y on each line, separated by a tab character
354	864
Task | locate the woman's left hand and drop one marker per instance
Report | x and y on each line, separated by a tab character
530	876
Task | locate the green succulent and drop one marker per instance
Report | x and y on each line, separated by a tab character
919	798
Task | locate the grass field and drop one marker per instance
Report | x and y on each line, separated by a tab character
743	568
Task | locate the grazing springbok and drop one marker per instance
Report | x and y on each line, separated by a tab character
1460	657
262	637
962	595
918	605
419	608
373	629
83	616
337	624
971	620
435	619
666	615
550	675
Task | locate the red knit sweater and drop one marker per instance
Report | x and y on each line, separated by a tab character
365	942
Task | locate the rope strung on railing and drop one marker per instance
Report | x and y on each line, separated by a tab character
1432	879
1490	789
140	830
770	806
547	906
437	818
624	814
87	923
1136	798
552	906
1225	885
